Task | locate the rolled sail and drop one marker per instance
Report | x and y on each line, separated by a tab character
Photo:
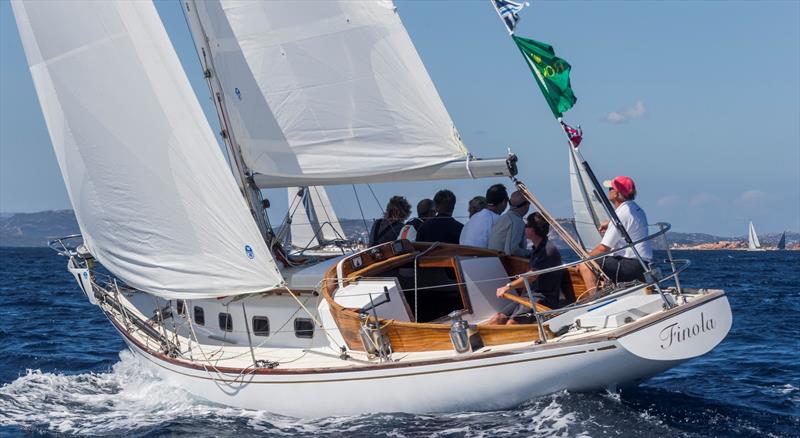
326	92
154	199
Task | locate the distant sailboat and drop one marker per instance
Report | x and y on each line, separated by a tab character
782	241
314	226
752	239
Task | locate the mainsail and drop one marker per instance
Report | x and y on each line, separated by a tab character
155	201
328	92
314	221
588	211
752	237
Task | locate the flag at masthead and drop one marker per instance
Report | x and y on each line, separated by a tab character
509	12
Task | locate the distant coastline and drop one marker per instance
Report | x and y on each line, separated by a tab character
36	229
729	245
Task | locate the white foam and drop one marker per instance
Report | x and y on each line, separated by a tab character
128	398
131	397
787	389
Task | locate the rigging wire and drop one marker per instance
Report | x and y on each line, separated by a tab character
383	213
363	218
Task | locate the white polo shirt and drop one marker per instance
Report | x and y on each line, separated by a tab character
477	229
634	220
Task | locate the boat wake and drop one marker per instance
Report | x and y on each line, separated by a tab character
131	398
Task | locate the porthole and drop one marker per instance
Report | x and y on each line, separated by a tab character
304	328
225	322
199	316
181	306
261	326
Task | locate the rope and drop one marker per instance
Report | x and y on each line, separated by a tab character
469	170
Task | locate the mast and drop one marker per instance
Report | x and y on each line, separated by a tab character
553	81
244	177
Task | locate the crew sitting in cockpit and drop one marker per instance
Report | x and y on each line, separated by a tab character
549	285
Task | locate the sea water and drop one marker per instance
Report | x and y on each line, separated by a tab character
66	372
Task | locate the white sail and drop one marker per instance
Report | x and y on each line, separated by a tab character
313	219
327	92
154	199
752	237
588	210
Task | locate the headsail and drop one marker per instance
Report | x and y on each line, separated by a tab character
588	210
752	237
328	92
154	199
314	221
782	241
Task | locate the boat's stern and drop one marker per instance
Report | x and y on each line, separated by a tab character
689	330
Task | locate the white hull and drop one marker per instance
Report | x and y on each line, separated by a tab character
480	381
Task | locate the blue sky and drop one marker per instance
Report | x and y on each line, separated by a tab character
698	101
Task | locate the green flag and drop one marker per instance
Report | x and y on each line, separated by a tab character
551	72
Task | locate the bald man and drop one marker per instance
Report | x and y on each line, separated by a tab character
508	233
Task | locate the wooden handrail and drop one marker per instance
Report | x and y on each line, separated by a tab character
524	302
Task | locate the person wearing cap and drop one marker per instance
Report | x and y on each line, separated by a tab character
479	226
621	266
508	233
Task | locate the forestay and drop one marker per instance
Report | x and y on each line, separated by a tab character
327	92
154	199
314	221
588	210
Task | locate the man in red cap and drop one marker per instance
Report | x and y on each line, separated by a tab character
622	265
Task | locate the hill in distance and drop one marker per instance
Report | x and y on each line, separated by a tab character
36	229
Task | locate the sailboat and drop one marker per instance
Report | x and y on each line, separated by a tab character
307	94
782	242
312	227
752	238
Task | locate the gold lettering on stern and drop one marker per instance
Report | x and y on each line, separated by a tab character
675	334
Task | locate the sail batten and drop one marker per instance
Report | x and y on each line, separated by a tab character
153	197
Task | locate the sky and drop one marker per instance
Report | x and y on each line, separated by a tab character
699	102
